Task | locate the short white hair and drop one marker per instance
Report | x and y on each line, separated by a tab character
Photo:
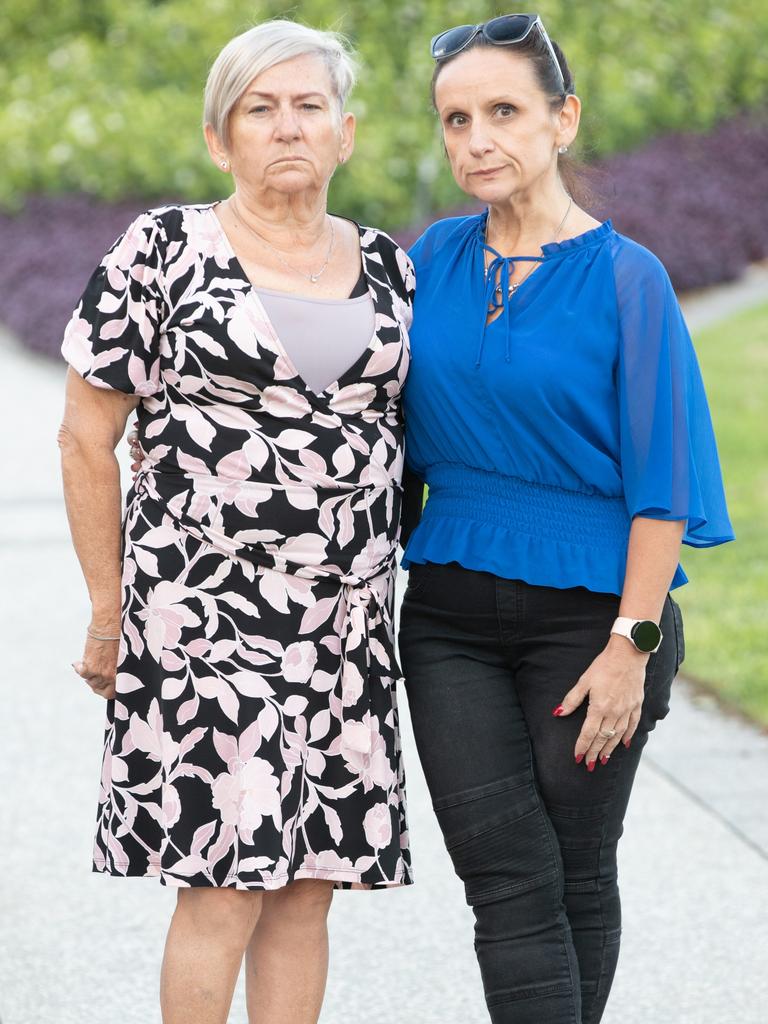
260	48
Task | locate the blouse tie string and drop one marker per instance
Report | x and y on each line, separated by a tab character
494	300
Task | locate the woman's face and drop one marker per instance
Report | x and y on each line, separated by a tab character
500	131
286	132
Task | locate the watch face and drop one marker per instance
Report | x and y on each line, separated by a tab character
646	636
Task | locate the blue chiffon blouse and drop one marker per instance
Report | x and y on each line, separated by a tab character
542	434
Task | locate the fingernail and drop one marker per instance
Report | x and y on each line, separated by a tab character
558	710
626	743
590	766
604	759
579	758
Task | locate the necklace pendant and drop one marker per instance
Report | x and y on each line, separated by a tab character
512	288
313	278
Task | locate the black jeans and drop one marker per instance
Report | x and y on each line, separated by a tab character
532	835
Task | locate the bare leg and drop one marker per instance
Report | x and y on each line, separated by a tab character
287	958
209	933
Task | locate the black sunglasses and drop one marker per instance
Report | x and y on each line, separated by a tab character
503	31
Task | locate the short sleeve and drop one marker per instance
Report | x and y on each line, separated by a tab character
113	338
669	461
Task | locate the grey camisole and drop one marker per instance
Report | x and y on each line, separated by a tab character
322	337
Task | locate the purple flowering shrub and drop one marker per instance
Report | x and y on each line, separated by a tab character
697	201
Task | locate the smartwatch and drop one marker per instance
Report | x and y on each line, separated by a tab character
643	633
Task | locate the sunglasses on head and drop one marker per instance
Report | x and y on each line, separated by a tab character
503	31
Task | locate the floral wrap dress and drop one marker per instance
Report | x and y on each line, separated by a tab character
254	736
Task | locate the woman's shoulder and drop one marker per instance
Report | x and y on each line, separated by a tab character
631	258
382	248
169	222
643	288
174	218
161	235
445	235
372	239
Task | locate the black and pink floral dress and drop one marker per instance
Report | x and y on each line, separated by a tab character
254	736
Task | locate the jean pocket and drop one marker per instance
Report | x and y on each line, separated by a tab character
679	632
663	665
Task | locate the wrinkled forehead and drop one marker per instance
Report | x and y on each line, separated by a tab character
484	71
294	78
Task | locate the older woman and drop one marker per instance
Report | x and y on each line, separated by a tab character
555	409
242	622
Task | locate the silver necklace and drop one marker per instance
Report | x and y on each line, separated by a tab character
313	278
513	287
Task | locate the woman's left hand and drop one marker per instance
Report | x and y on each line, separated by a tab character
614	684
137	454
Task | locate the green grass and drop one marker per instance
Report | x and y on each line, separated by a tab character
725	605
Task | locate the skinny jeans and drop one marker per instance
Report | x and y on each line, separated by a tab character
532	835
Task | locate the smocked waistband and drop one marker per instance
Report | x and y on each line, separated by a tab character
539	510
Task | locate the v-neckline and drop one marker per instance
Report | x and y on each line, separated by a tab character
334	387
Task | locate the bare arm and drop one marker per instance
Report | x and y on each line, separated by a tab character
615	680
93	423
654	551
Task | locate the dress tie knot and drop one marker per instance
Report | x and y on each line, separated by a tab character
361	605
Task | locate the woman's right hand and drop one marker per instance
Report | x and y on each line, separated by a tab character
98	665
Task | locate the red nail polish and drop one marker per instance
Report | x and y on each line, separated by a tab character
558	710
579	758
590	766
603	760
626	743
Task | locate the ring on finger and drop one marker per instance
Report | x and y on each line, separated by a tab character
607	734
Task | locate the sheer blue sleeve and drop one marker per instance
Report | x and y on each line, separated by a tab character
669	462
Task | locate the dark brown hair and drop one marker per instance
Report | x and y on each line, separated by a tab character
573	173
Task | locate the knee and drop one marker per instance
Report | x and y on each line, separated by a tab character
589	854
500	842
301	905
229	913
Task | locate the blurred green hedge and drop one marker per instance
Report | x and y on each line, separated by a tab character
104	96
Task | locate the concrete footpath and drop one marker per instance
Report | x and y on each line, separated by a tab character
82	949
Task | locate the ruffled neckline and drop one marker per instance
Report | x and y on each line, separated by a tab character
583	241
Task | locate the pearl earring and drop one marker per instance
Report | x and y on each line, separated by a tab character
224	165
562	149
